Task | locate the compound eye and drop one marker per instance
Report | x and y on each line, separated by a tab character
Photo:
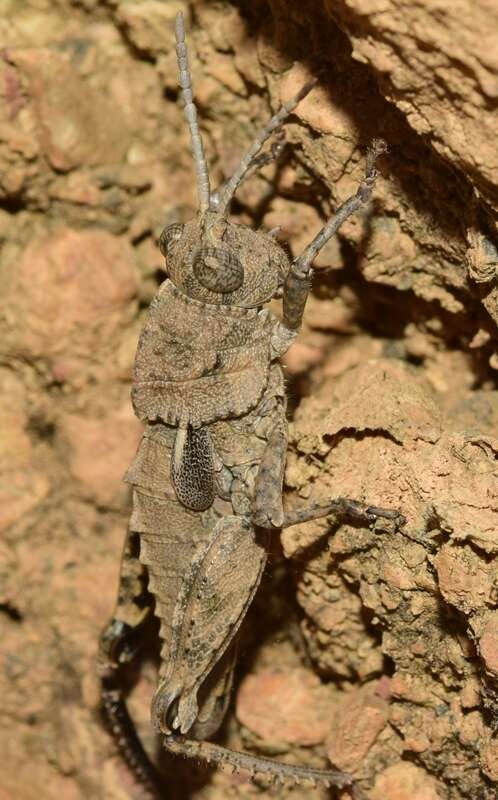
170	235
218	269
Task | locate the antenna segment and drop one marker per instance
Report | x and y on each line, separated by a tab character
185	83
275	122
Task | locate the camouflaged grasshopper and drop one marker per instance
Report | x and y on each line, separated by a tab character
207	477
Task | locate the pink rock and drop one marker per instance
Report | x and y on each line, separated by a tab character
465	578
407	410
316	109
76	124
410	687
298	224
488	643
302	356
22	485
290	706
356	722
68	296
405	781
470	696
146	22
490	760
397	575
99	451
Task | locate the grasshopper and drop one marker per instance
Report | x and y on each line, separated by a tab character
208	475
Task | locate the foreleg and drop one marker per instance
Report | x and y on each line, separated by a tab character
267	508
298	281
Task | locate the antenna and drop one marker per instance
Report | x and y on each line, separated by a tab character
190	110
275	122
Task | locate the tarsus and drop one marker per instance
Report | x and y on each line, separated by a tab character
207	751
126	737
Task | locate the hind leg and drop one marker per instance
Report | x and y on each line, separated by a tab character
119	640
214	696
298	281
119	643
213	600
192	698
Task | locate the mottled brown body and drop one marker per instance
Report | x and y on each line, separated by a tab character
207	478
213	552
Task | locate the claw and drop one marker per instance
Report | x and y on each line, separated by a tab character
164	709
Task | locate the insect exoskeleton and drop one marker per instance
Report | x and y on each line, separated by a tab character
220	262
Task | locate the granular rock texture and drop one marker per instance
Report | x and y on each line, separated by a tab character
374	649
414	608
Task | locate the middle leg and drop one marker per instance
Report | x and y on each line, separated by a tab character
267	505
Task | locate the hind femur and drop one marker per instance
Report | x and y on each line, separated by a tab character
218	269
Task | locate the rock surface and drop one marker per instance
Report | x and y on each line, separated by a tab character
373	648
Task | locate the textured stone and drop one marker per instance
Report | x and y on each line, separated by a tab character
71	293
403	414
356	722
446	95
99	451
488	643
490	760
149	23
405	781
287	706
23	485
76	124
466	579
